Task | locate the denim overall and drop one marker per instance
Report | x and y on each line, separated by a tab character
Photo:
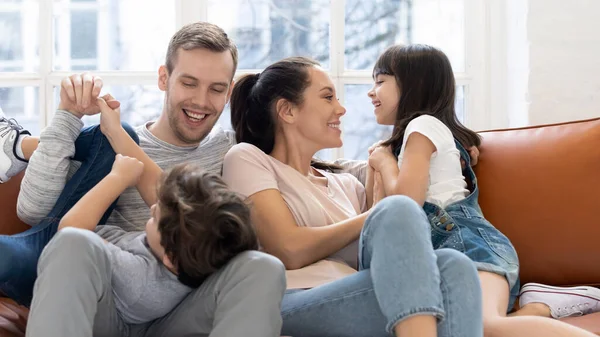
461	226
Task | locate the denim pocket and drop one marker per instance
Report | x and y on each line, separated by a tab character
500	245
444	232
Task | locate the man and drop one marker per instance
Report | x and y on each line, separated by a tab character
197	80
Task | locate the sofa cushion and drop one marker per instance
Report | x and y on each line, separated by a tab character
539	186
9	191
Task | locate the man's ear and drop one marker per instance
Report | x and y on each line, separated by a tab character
285	111
230	90
163	78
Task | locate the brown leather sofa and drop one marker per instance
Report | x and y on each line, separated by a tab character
539	185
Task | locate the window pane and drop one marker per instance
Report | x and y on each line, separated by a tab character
112	34
372	26
21	103
139	103
266	31
19	36
360	127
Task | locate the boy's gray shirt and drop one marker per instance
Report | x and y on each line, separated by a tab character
144	289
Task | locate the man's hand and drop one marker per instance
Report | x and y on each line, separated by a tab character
128	169
79	92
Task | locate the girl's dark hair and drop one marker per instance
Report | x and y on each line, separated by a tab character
426	81
203	224
254	98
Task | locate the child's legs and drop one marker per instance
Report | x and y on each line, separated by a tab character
73	294
21	251
497	324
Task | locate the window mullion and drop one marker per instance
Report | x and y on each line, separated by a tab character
46	44
190	11
336	53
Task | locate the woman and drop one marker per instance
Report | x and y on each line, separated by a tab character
312	219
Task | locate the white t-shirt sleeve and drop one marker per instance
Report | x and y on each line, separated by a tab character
247	170
432	128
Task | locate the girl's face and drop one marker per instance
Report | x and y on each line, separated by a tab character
385	96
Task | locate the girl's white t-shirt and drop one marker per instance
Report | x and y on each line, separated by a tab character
313	202
446	182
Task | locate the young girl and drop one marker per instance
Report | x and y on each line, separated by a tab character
414	91
317	222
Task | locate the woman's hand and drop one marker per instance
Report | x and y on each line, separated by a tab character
381	156
378	188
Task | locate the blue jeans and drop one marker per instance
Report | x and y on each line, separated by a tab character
400	276
20	252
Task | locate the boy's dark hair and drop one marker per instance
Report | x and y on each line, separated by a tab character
202	224
254	97
427	86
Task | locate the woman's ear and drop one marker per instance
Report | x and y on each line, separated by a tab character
285	111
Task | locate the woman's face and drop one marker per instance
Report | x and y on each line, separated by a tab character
385	96
318	118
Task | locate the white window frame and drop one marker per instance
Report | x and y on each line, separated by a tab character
479	23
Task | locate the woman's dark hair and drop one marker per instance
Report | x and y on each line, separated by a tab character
426	81
254	99
203	224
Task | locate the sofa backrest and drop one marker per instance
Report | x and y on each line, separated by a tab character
539	186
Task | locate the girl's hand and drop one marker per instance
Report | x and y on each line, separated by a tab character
381	156
128	169
474	154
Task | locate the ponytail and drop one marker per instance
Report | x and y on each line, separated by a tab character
251	120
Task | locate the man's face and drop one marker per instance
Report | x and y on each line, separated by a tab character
196	92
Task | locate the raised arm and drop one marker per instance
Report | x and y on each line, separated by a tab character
110	124
48	168
88	211
298	246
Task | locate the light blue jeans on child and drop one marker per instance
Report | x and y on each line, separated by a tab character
400	276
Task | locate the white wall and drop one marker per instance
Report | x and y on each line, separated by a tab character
564	61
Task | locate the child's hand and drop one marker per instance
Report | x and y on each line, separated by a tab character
128	169
381	156
474	154
110	119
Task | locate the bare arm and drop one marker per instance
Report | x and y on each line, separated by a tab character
298	246
124	145
88	211
370	181
412	178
